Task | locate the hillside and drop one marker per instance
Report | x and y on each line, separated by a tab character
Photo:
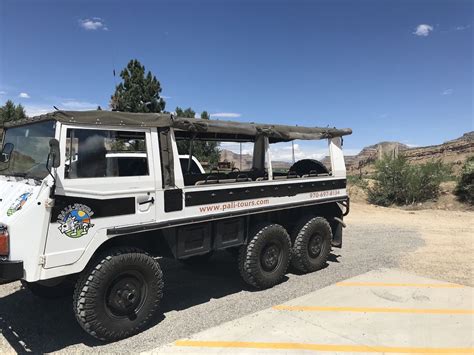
227	155
452	152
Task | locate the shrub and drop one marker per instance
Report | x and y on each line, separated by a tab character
357	180
398	182
465	187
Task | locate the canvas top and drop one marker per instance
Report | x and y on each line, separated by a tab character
190	127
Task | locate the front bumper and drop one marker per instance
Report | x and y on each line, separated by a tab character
10	270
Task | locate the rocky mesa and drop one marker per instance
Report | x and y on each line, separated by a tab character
453	152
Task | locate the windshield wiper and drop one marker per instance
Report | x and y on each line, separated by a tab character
17	174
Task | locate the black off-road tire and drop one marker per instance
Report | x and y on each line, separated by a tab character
118	295
263	262
312	244
45	290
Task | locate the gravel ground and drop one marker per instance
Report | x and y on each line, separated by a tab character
196	299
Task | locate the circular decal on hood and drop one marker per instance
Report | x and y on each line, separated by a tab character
19	203
75	221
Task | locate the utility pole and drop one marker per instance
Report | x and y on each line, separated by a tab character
293	151
240	158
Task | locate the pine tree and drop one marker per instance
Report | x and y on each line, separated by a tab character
20	112
138	92
204	151
11	112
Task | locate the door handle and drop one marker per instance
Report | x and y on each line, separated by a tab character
152	201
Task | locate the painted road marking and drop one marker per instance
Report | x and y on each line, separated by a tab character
283	307
386	284
320	347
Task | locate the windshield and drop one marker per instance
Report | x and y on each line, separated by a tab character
31	149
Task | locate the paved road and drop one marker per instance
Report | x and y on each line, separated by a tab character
195	299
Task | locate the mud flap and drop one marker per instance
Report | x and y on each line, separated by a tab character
337	233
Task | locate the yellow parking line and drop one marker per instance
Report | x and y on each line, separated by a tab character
372	310
387	284
319	347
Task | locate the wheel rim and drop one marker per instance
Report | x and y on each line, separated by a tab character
126	295
315	245
271	257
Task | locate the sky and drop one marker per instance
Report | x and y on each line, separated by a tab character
396	70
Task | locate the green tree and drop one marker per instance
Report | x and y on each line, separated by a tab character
204	151
401	183
465	187
138	92
20	112
11	112
188	113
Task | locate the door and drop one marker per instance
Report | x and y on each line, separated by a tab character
106	180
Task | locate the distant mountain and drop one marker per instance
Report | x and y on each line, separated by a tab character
454	152
227	155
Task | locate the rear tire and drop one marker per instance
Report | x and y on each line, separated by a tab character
312	244
119	294
264	261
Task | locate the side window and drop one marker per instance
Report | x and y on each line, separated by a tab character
98	153
184	166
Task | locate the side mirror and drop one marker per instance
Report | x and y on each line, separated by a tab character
54	157
6	152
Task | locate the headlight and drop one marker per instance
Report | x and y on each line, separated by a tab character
4	241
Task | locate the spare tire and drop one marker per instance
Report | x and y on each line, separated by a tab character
309	166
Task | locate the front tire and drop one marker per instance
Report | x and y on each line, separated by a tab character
312	244
264	261
119	294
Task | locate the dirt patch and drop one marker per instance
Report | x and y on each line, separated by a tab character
357	193
448	252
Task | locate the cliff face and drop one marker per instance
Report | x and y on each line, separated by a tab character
227	155
371	153
452	152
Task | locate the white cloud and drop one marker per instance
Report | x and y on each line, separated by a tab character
462	28
226	115
93	24
24	95
423	30
166	97
447	92
247	148
3	92
73	104
283	151
32	110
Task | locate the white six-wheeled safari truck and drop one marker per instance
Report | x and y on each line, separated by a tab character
89	200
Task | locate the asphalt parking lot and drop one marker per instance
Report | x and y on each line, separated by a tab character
197	299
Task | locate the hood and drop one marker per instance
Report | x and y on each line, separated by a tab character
16	195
